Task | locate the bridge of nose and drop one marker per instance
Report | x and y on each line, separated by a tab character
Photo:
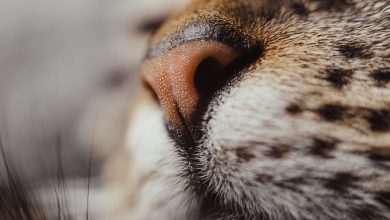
171	75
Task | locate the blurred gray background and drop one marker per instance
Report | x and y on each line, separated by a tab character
56	59
51	62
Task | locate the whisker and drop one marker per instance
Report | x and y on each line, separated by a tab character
89	179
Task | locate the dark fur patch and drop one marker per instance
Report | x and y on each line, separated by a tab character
293	109
381	76
300	9
296	180
379	120
379	154
337	5
356	50
289	186
245	154
383	198
263	178
341	182
277	151
322	148
331	112
338	77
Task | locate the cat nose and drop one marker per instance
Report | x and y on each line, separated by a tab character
187	75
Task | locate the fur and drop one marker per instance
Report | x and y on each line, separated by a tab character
301	131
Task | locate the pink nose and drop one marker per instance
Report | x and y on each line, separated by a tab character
180	76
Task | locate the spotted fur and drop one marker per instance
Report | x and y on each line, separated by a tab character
298	130
301	129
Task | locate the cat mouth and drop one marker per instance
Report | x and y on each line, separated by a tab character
186	136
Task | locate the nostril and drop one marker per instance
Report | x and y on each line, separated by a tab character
211	75
207	77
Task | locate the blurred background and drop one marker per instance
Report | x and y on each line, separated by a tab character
51	62
68	72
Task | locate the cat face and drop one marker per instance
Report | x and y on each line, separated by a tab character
265	110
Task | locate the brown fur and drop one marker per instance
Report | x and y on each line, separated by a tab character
306	125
